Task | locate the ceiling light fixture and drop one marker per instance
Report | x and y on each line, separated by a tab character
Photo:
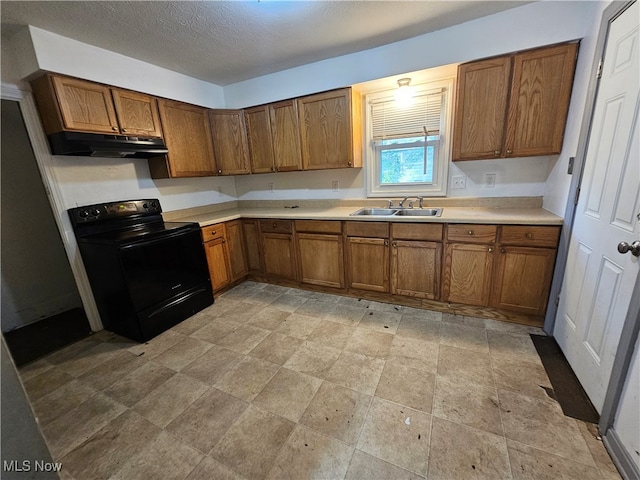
404	93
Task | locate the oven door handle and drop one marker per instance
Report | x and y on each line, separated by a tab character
183	298
164	238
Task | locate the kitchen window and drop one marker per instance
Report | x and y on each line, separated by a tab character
408	143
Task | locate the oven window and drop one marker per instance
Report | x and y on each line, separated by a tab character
160	269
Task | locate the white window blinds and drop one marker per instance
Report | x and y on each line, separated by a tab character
418	119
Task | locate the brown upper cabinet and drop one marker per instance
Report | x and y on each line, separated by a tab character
274	137
230	147
514	105
331	129
187	134
77	105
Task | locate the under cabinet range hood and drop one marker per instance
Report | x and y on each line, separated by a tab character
104	145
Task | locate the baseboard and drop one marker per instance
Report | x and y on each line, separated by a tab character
620	456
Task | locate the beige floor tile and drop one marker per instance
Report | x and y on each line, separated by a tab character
212	365
243	339
415	353
241	313
109	372
135	386
460	452
313	308
356	371
251	445
299	326
468	403
513	346
539	423
262	298
216	330
61	401
288	393
531	464
354	302
157	345
463	320
34	369
221	305
313	358
424	327
386	307
46	382
247	378
309	455
73	351
345	314
527	378
193	324
513	328
462	363
77	425
182	353
407	386
397	434
287	302
370	343
366	467
164	457
276	348
269	318
332	334
381	321
210	469
89	358
337	411
170	399
206	420
108	449
464	336
597	449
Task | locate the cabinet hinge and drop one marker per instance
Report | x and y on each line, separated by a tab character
577	197
599	71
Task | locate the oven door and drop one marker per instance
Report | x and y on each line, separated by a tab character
162	268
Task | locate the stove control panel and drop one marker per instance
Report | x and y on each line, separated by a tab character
114	210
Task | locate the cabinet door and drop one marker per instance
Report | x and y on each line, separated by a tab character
321	259
259	139
251	233
481	109
286	136
235	244
542	81
415	268
137	113
368	263
326	130
187	134
217	259
523	278
279	256
229	138
85	106
467	274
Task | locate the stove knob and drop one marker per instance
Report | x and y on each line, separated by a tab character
83	213
154	205
95	212
145	206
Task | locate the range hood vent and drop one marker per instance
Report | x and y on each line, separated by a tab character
100	145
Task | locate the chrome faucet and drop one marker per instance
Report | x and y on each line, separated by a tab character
402	202
420	201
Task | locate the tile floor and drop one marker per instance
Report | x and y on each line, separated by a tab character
279	383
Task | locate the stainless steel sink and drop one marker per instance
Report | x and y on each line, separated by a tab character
420	212
387	212
375	211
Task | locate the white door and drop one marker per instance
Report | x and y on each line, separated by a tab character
599	280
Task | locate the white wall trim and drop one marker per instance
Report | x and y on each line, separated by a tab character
44	160
620	456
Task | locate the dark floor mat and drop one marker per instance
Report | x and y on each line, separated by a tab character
566	388
34	341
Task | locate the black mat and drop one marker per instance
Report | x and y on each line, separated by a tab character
566	389
34	341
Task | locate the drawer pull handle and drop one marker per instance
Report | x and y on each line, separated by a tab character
509	152
275	225
502	250
529	235
213	233
470	232
496	152
490	250
386	243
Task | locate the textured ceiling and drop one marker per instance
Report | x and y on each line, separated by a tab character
225	42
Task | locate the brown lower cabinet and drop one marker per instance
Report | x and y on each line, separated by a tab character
278	249
320	252
467	274
224	247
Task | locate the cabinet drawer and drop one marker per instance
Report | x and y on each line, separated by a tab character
211	232
528	235
367	229
275	226
318	226
471	233
417	231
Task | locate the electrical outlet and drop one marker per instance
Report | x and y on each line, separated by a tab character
459	181
335	185
270	187
490	180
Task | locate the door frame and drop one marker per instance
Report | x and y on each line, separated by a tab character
44	161
631	327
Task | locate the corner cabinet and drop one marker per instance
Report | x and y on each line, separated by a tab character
229	137
514	105
187	134
331	130
71	104
224	247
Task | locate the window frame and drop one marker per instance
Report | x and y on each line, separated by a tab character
372	167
